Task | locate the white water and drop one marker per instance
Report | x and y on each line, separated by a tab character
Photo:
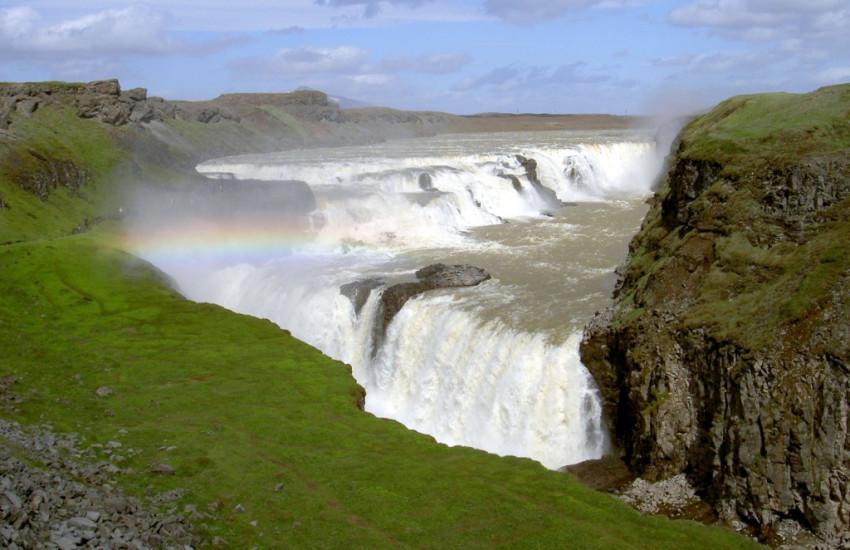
494	366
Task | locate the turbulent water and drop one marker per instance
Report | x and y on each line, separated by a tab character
493	366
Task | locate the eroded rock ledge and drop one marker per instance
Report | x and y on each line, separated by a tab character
395	296
428	278
726	357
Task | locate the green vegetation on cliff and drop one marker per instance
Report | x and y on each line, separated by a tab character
735	306
768	176
753	132
50	168
245	414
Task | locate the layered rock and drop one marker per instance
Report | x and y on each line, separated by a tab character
727	355
50	174
101	100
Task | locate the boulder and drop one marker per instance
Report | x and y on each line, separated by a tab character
136	94
358	291
425	182
548	196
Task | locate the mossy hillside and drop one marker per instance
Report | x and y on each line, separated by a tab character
733	268
112	161
237	406
37	144
754	132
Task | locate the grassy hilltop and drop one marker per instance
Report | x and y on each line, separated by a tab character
262	431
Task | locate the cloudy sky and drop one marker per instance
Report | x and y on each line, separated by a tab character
460	56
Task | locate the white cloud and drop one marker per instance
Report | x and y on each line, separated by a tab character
371	7
729	62
308	59
768	20
134	30
533	12
509	77
835	74
790	42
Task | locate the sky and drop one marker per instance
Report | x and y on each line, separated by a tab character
457	56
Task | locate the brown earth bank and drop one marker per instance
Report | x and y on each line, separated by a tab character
726	357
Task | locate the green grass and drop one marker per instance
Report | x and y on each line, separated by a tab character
56	135
248	407
753	293
751	132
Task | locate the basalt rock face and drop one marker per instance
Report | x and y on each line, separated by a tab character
393	297
101	100
726	356
51	174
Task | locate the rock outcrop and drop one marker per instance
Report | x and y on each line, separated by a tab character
726	357
548	196
358	291
101	100
428	278
50	174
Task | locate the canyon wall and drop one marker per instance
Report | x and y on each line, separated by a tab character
726	356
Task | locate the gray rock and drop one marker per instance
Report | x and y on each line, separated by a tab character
104	391
82	523
425	182
358	291
66	542
66	512
136	94
428	278
13	499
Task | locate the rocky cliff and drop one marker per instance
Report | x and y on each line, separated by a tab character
727	354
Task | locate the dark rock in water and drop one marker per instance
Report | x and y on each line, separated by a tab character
530	166
425	182
545	193
429	278
358	292
514	181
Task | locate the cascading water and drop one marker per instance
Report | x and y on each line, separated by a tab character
494	366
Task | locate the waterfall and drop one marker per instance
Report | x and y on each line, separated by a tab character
454	363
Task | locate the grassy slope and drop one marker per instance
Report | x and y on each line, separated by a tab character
59	135
752	132
248	407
